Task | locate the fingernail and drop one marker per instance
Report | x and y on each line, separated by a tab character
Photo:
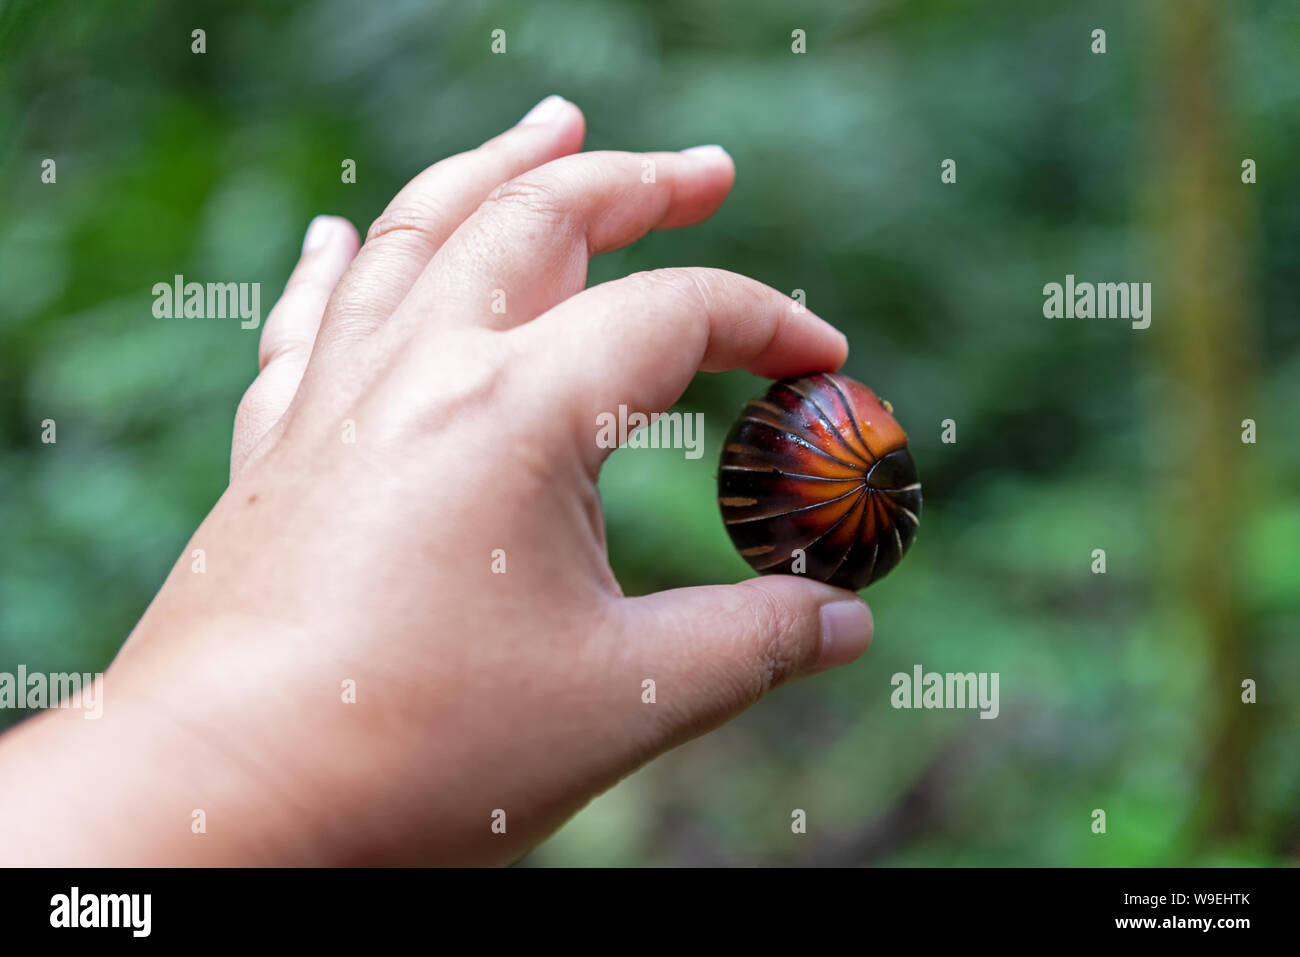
545	112
706	152
318	231
846	633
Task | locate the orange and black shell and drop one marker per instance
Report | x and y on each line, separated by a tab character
819	464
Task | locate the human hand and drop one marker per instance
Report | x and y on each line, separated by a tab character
403	427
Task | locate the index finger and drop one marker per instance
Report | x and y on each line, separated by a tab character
529	243
638	341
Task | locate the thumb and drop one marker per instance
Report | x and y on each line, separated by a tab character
715	650
289	333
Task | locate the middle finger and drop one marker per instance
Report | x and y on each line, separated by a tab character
526	248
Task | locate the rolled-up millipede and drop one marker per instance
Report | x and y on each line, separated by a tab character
816	479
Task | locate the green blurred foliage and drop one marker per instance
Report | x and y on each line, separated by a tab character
212	165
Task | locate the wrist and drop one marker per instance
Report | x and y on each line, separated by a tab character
169	773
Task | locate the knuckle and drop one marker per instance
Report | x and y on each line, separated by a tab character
533	196
778	663
690	285
777	657
274	348
407	221
687	299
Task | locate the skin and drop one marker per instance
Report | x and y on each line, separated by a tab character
371	560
